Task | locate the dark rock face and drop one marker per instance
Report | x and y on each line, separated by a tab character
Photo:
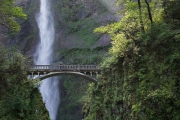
102	42
27	38
3	34
74	13
21	2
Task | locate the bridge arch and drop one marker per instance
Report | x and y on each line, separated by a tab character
45	71
51	74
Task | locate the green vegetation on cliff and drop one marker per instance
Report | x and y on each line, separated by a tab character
79	18
84	29
77	56
8	13
19	99
140	79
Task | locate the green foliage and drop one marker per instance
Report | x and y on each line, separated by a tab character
70	10
171	9
140	78
79	56
19	99
79	19
8	13
84	29
74	10
71	99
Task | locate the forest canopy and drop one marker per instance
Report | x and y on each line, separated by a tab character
19	98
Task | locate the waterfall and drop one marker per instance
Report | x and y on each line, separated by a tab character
49	87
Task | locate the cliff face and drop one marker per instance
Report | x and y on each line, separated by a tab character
3	32
21	2
27	38
74	23
76	20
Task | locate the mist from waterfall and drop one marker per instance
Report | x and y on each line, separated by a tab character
49	87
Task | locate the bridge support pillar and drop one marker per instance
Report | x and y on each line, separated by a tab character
96	74
32	75
38	73
91	73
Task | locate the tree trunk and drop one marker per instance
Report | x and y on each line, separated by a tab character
149	11
140	15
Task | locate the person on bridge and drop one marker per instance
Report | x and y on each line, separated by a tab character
61	63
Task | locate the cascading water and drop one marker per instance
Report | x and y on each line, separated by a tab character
49	87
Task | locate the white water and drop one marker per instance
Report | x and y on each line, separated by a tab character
49	87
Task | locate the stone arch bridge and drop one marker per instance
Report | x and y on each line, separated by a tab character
88	72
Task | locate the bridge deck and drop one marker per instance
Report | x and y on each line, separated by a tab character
55	68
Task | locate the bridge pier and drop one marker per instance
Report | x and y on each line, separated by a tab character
38	74
32	75
91	74
96	74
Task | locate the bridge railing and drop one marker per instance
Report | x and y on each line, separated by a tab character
64	68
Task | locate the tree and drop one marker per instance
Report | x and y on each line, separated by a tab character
8	14
171	10
19	99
